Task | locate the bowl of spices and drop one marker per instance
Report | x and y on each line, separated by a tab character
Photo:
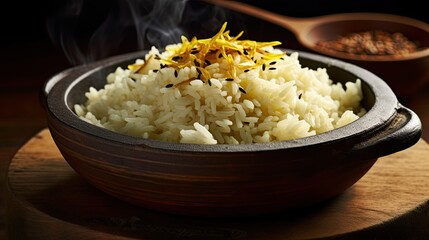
395	48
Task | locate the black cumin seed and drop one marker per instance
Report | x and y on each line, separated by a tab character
196	63
242	90
272	68
299	96
157	57
198	71
207	62
176	58
245	52
246	70
176	73
210	83
282	58
199	76
220	55
169	85
272	63
202	80
155	70
195	52
263	67
162	65
229	79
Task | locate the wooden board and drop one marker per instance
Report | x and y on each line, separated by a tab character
46	199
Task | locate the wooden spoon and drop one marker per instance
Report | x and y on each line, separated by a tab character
310	31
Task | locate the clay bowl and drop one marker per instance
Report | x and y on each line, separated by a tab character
227	180
405	74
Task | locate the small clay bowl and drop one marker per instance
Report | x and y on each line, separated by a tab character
227	180
405	74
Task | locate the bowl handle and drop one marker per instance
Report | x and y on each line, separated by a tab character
402	132
50	83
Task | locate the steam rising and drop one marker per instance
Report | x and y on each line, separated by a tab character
92	30
160	25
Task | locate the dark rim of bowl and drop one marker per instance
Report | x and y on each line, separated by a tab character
383	110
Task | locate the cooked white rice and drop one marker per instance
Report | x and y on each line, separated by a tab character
276	100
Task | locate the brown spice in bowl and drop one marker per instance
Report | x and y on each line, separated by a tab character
375	42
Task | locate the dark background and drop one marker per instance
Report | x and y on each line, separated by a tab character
29	55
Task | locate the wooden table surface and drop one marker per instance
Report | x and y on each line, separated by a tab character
47	199
26	65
